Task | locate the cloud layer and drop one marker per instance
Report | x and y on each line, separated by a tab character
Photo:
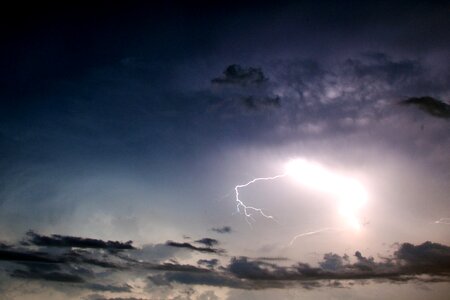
101	268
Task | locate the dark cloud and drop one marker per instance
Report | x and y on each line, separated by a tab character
409	260
211	279
208	242
333	262
48	276
71	241
265	258
194	248
425	258
27	256
126	288
224	229
79	266
209	263
238	75
178	268
430	105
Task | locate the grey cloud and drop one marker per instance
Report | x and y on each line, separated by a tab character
71	241
224	229
425	258
49	276
208	242
430	105
238	75
409	260
264	258
178	268
27	256
333	262
194	248
156	252
408	263
209	263
210	279
109	288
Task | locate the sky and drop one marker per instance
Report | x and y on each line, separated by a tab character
220	150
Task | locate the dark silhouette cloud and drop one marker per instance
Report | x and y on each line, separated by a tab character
194	248
178	268
71	241
430	105
78	266
425	258
208	242
211	279
238	75
209	263
27	256
48	276
224	229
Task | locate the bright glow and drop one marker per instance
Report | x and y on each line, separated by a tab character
349	193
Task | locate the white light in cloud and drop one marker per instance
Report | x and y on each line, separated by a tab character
350	193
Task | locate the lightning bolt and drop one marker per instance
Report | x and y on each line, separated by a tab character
245	208
351	194
312	233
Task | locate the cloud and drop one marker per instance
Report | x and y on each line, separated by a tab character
238	75
430	105
98	270
215	279
27	256
178	268
224	229
71	241
208	242
194	248
209	263
425	258
49	276
408	261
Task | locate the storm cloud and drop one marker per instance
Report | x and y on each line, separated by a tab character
408	263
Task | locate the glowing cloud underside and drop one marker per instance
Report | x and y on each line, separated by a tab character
349	193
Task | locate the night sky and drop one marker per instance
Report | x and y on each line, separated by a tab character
225	150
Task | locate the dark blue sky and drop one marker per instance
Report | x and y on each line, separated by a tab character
135	121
